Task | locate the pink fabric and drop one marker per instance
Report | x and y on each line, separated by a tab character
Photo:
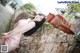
12	38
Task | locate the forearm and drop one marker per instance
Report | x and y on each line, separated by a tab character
23	26
38	25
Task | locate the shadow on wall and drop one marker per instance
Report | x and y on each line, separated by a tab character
5	15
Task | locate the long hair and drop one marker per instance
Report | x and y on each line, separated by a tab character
20	14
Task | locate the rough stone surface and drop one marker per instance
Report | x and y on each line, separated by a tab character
47	41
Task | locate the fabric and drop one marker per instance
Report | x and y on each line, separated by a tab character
38	25
12	38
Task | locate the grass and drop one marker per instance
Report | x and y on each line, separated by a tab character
46	25
9	25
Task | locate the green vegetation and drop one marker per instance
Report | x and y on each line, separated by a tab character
77	38
74	7
3	2
69	16
47	26
71	13
9	25
29	7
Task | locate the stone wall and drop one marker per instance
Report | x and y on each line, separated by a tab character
47	41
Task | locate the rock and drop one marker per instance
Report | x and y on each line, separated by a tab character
46	42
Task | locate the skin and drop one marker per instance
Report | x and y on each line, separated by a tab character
12	38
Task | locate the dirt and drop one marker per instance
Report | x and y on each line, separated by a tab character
47	41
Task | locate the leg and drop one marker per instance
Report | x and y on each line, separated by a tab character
13	38
21	27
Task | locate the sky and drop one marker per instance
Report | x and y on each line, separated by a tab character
46	6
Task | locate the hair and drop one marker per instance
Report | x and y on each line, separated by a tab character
38	25
20	14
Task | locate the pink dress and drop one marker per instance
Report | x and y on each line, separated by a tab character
12	39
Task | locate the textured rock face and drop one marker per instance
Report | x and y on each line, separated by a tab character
47	41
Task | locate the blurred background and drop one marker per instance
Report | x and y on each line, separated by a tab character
50	39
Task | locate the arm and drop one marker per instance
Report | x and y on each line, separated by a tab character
38	25
13	38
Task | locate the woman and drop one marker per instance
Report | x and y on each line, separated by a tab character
23	26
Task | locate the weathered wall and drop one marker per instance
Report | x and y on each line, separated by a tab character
5	14
46	41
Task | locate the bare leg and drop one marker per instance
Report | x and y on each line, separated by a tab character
12	38
23	26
